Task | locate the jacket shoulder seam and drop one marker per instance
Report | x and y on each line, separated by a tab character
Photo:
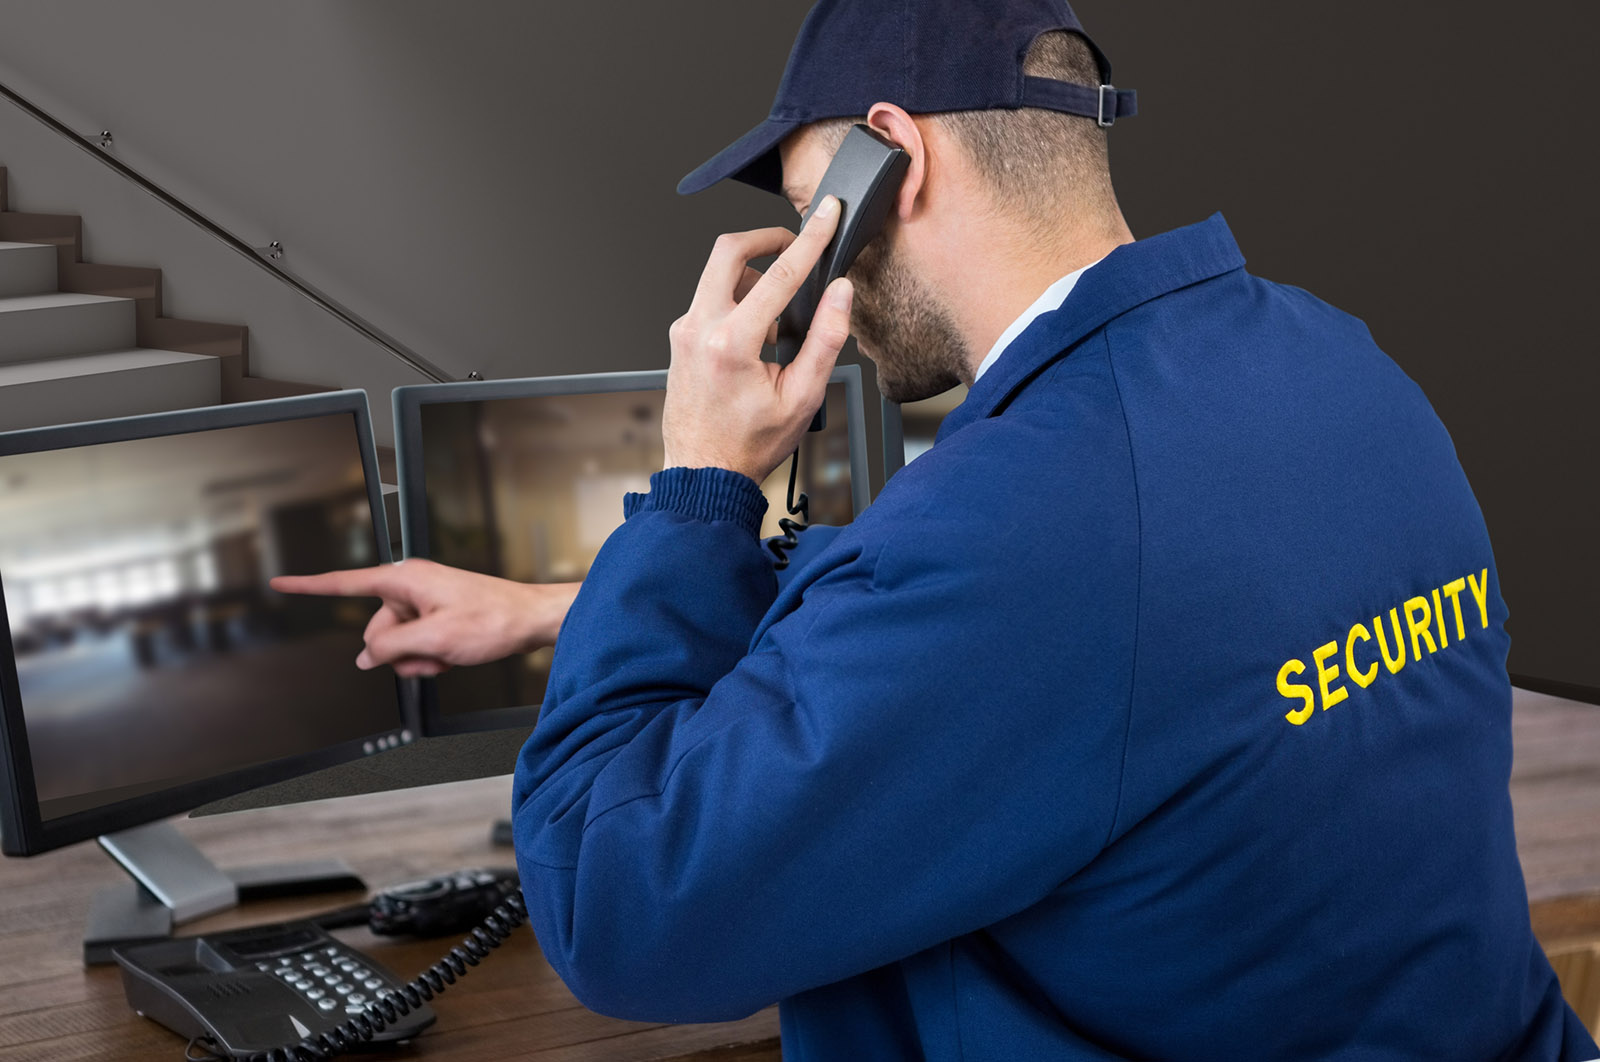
1138	590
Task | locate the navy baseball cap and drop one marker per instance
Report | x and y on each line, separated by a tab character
923	55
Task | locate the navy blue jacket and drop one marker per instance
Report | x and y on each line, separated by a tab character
1159	711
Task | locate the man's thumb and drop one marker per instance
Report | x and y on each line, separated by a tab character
423	637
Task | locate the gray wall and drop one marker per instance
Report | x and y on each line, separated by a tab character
492	182
489	182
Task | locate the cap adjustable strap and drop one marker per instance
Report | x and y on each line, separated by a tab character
1104	104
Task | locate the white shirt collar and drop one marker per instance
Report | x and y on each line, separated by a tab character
1052	299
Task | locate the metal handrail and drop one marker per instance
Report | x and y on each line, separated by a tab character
94	147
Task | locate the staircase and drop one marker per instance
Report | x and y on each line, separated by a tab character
85	341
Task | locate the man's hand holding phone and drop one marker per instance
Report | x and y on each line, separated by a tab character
725	407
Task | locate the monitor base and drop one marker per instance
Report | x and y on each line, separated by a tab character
175	883
123	914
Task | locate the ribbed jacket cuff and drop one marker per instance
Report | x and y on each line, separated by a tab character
708	494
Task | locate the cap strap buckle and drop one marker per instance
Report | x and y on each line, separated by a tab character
1108	115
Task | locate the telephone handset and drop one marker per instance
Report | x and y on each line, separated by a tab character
865	175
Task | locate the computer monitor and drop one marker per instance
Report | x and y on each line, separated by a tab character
147	667
524	479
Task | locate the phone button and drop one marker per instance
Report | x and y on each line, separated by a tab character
326	1005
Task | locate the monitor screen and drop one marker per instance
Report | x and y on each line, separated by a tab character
149	657
919	423
524	479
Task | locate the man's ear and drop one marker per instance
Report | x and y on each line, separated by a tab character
898	126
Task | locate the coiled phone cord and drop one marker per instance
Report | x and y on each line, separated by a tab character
397	1002
780	545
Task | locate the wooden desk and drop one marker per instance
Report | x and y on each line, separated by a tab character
514	1007
511	1007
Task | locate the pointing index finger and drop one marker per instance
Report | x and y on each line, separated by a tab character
354	582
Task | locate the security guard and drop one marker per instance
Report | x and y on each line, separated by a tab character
1159	711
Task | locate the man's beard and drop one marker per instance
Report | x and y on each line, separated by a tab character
903	327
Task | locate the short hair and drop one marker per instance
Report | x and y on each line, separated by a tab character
1034	161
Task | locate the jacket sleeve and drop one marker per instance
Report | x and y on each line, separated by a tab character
718	810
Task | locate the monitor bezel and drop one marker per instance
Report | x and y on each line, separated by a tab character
894	437
409	470
23	831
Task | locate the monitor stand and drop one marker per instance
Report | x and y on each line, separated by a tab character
174	883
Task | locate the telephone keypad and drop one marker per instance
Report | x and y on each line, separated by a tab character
328	977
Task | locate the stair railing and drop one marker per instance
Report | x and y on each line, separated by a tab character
265	259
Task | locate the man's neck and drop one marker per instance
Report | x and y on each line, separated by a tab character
996	283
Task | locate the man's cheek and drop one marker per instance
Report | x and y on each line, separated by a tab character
860	318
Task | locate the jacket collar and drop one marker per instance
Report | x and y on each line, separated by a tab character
1129	276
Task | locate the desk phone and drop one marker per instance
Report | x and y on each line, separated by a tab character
290	991
250	991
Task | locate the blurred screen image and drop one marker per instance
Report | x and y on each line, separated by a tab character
530	488
149	650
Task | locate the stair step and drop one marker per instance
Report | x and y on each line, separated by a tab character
45	326
27	269
115	383
122	282
64	231
257	388
31	329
